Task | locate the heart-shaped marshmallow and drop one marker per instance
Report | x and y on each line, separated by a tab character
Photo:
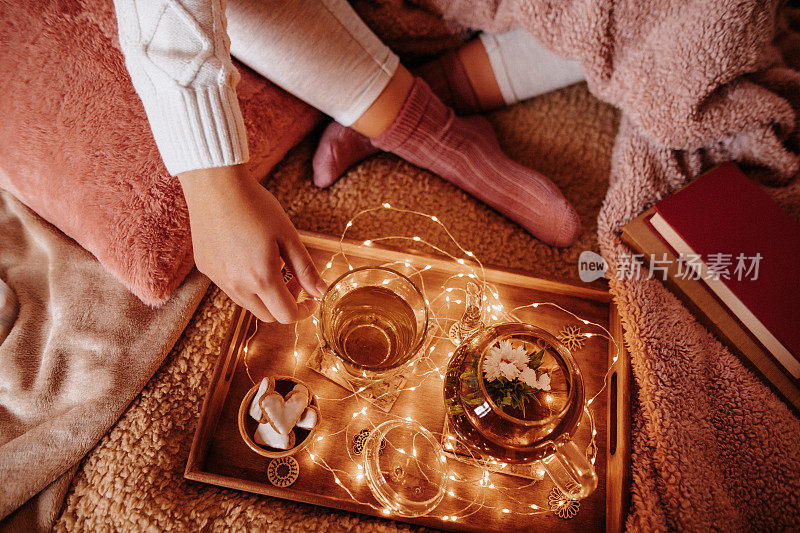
283	413
266	385
309	418
267	436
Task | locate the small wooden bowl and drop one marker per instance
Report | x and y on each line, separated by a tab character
247	426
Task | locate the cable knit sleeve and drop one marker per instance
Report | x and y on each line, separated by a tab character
177	54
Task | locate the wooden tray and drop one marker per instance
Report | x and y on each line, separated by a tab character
220	457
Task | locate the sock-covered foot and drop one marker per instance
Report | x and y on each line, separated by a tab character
340	148
465	152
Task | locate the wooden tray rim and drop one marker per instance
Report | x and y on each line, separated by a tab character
617	493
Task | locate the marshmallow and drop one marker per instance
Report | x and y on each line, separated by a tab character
283	413
266	436
308	420
255	408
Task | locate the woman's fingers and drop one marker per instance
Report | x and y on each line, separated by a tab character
279	300
263	313
274	301
298	259
294	287
242	237
307	307
252	303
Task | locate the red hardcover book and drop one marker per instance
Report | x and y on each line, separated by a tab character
749	251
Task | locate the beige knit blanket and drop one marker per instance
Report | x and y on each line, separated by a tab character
80	350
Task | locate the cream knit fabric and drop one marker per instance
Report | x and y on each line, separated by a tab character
177	53
524	68
318	50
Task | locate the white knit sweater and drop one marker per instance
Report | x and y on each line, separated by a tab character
177	53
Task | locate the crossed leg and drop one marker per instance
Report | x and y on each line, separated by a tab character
321	51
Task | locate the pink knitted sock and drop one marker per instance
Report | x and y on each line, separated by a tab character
465	152
340	148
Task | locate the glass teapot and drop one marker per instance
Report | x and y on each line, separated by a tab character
503	411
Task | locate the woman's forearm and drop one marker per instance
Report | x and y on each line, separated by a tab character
177	54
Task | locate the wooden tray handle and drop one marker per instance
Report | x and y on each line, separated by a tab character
618	467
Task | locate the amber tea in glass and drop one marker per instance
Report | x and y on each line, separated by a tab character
374	319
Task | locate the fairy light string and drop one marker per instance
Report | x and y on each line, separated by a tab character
490	480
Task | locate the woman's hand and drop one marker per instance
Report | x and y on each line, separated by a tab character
242	237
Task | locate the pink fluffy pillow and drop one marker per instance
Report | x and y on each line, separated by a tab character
77	149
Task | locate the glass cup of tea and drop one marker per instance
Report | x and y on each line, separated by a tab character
374	319
502	417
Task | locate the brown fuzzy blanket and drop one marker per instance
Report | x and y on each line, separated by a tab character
698	82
